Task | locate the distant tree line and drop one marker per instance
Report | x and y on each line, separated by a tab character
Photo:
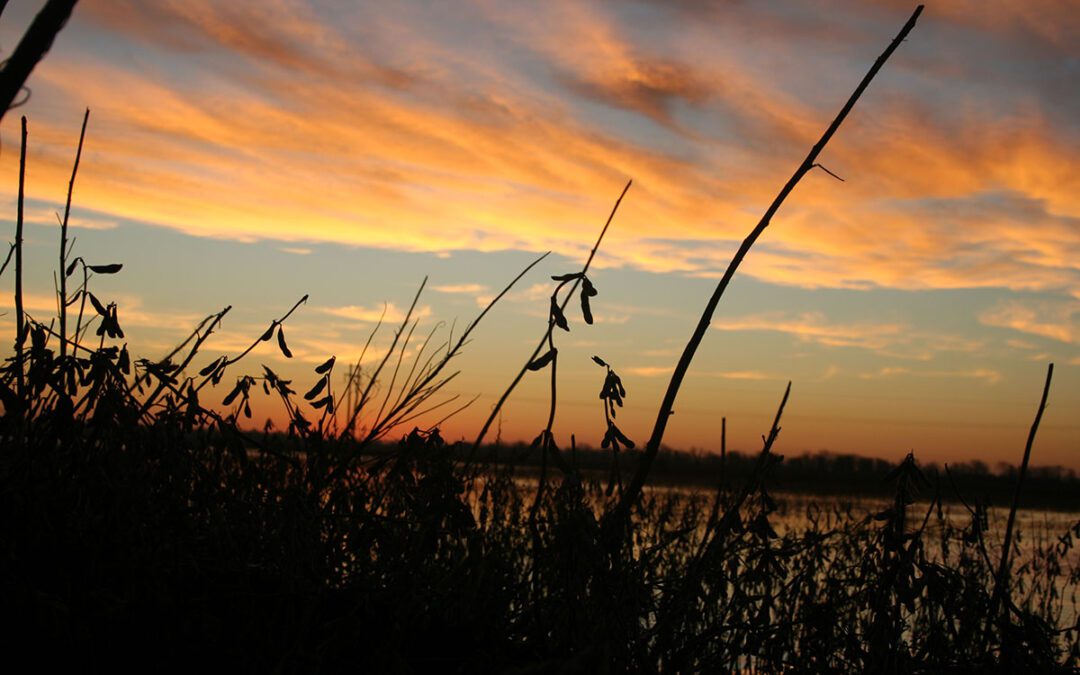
818	473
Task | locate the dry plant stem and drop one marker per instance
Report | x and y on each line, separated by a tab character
971	512
7	259
723	451
1002	581
718	497
409	384
547	334
423	388
546	444
763	458
199	337
352	385
64	239
427	382
666	408
81	291
717	528
32	48
397	367
20	318
274	324
389	353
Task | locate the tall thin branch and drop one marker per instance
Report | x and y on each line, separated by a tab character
32	48
63	239
666	408
20	317
1002	580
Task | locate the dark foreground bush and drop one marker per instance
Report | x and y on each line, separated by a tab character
176	543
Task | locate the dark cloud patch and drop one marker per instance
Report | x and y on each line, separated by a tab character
646	86
285	36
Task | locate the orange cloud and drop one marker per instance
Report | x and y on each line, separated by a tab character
389	314
653	371
485	157
814	327
989	375
1046	319
897	340
464	289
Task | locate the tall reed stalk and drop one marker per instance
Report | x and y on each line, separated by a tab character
633	490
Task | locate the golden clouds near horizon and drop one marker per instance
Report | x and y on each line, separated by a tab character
495	157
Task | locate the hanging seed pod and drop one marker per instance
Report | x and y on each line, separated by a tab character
326	366
281	343
543	360
316	390
233	394
587	287
622	437
586	311
599	361
265	337
98	307
567	277
105	269
558	316
116	332
210	368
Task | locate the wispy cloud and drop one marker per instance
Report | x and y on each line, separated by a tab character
462	289
815	327
664	371
893	339
988	375
47	217
131	311
649	371
1055	320
387	314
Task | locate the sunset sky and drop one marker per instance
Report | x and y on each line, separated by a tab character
247	153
